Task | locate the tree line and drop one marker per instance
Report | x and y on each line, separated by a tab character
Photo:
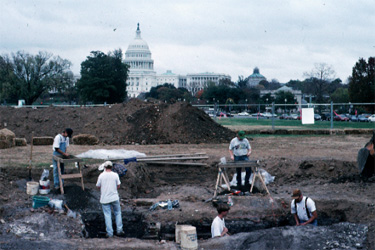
103	79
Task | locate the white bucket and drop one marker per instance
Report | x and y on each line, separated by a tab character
32	187
188	236
177	233
44	187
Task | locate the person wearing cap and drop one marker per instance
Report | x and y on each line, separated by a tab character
108	183
240	150
218	228
60	146
303	208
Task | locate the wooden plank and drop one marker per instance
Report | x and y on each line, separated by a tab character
242	164
174	158
177	163
71	176
164	156
67	160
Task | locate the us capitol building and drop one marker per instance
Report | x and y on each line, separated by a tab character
142	76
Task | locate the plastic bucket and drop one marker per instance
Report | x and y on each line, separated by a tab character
177	233
32	187
44	187
188	236
40	201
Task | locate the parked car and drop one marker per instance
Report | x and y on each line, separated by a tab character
243	114
326	117
362	118
341	118
284	116
294	117
269	115
366	115
317	117
353	118
257	114
371	118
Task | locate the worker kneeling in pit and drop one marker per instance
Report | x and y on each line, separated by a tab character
304	210
218	228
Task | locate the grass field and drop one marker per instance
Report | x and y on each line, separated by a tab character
293	123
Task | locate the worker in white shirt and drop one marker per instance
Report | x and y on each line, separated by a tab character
304	210
218	228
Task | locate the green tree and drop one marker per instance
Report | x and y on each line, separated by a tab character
221	93
168	93
267	99
362	82
26	76
242	82
103	78
281	96
318	80
341	95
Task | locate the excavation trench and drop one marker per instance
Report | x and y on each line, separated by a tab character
136	224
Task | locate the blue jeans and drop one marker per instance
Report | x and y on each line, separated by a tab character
239	170
56	181
108	216
314	223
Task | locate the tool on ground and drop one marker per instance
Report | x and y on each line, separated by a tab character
31	156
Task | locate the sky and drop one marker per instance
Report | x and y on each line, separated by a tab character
283	38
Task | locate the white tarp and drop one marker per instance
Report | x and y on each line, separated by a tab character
111	154
307	116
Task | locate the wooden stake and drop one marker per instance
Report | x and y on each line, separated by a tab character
31	154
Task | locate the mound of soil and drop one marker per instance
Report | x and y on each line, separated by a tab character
127	123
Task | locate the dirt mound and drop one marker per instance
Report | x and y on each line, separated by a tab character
312	171
133	122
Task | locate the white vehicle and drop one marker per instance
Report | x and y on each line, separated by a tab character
269	115
371	118
243	114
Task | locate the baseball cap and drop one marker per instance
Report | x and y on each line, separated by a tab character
241	134
296	193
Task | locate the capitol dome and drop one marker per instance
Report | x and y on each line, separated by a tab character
138	54
138	43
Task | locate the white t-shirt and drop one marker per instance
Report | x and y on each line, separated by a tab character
301	209
239	147
108	182
217	227
59	139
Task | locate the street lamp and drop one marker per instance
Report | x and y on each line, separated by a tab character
285	106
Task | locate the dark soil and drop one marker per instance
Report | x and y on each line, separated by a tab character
133	122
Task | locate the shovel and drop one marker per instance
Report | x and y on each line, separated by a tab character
70	213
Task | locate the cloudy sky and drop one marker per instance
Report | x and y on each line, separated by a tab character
284	38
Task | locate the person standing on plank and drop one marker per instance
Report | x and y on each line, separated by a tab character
60	146
240	150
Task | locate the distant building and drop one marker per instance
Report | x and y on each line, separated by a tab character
197	82
178	81
142	76
255	78
296	93
141	72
